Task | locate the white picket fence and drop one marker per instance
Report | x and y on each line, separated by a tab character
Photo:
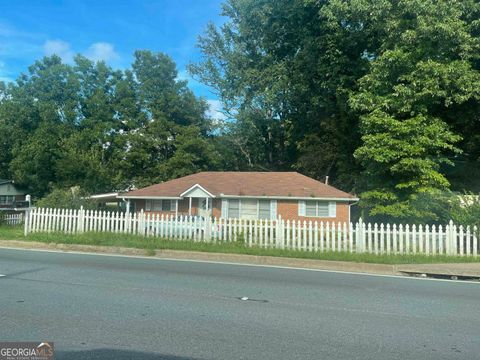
13	219
448	239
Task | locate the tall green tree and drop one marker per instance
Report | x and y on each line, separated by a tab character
284	71
86	153
171	134
40	109
425	70
380	95
101	129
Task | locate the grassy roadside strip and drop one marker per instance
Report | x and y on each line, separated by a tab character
151	244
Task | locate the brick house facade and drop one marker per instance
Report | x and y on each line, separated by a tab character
287	209
248	195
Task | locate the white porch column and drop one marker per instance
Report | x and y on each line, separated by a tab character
206	204
176	208
189	206
128	206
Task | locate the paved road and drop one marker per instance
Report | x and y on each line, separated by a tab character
102	307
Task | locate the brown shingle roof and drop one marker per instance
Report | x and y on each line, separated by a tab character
274	184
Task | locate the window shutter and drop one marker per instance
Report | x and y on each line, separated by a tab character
224	208
148	205
273	209
332	209
301	208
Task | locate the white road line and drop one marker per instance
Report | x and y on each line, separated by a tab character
243	264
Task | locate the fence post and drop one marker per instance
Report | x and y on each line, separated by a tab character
127	221
279	241
208	229
475	241
449	238
80	220
141	223
360	237
26	222
453	239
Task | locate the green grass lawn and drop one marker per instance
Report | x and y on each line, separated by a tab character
150	244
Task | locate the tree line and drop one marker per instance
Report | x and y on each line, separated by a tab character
101	129
382	96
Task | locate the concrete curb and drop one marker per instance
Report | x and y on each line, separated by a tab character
207	256
463	269
466	270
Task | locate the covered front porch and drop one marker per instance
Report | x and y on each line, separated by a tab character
195	201
200	201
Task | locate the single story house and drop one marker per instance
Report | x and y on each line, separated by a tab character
11	196
245	195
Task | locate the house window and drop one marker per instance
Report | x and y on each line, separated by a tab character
264	209
158	205
234	208
7	199
166	205
249	208
317	208
311	208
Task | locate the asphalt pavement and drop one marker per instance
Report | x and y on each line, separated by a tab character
110	307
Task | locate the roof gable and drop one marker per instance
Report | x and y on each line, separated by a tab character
196	191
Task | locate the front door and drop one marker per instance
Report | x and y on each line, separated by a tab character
203	211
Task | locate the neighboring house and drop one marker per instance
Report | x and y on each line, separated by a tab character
10	195
245	195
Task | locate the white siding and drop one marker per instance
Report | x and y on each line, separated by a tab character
9	189
196	193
